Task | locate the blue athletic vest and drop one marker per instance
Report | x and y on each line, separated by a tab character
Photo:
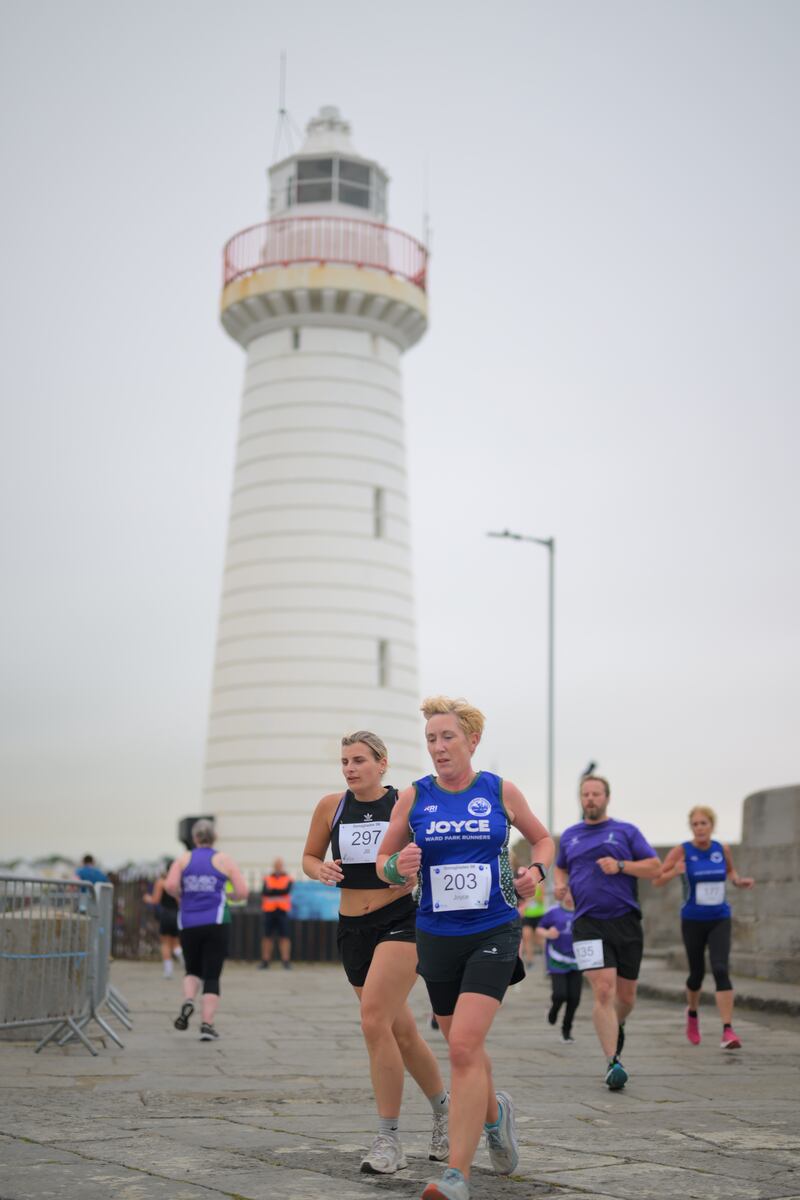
466	885
202	891
704	883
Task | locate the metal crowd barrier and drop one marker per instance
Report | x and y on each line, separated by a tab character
55	951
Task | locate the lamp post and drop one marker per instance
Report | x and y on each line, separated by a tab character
550	544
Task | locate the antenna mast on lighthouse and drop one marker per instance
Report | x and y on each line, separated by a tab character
285	127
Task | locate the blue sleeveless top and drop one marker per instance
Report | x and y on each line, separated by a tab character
202	891
704	883
466	885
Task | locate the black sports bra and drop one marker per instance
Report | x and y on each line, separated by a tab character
357	830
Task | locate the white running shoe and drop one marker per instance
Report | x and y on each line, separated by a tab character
440	1143
452	1186
385	1156
502	1142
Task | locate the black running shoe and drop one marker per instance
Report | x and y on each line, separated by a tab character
182	1019
207	1032
434	1022
552	1016
620	1039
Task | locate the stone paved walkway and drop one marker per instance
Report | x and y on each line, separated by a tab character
281	1108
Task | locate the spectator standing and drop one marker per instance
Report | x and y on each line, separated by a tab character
276	905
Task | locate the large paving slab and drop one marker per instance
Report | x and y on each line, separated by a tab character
281	1107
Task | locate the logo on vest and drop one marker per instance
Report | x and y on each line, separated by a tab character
431	808
479	807
479	826
716	856
367	816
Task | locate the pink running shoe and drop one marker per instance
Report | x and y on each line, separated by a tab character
692	1029
729	1040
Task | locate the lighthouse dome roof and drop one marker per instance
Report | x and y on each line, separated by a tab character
328	133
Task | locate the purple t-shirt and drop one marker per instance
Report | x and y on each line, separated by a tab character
559	957
596	894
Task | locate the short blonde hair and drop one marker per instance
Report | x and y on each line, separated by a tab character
470	718
705	811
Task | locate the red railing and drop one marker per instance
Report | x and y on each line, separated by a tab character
322	240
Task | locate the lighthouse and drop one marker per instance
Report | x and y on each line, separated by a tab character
316	634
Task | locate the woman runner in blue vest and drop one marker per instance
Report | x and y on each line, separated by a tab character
705	917
450	831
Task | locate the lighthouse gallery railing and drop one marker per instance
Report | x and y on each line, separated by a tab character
322	240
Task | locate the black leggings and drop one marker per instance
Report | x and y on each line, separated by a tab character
717	936
567	990
205	948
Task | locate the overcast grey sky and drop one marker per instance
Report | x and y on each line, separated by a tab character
612	359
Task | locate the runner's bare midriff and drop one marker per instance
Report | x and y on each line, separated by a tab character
356	902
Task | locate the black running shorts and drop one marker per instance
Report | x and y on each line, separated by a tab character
205	948
486	963
622	942
357	937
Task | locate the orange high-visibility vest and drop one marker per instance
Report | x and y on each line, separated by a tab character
276	903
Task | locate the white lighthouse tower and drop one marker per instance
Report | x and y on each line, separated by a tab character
316	628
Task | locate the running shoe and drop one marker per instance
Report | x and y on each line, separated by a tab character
501	1139
729	1040
434	1022
208	1033
693	1029
620	1039
385	1156
263	966
287	966
440	1144
182	1019
452	1186
566	1036
616	1076
552	1016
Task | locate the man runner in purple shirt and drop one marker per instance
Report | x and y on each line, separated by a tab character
601	860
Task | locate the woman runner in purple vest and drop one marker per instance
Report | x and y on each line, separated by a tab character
197	880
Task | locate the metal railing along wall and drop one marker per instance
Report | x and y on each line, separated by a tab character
345	241
54	955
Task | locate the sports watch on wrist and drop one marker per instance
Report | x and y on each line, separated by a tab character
542	870
620	866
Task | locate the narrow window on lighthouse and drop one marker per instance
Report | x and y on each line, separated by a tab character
295	339
383	663
379	512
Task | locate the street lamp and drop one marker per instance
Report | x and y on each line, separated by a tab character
550	543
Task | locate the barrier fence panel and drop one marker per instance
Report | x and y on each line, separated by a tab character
100	976
46	951
55	957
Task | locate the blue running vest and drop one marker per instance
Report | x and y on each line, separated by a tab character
466	884
704	883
